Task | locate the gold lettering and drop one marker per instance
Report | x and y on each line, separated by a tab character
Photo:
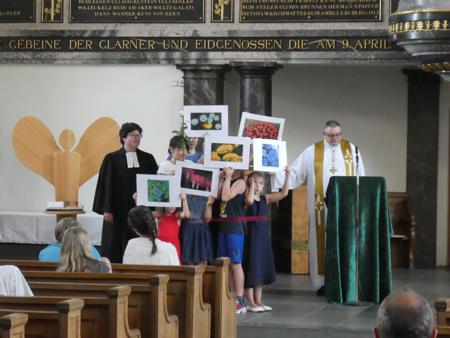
80	44
298	44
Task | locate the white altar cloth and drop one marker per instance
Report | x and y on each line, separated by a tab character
39	228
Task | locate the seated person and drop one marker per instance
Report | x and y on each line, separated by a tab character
12	282
52	252
147	248
76	255
405	313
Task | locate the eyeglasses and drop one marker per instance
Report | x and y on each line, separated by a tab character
333	135
135	135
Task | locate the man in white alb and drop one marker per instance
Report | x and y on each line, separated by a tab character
332	156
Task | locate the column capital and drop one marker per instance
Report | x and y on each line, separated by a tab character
203	71
256	69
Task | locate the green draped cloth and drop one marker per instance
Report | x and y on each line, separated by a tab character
375	275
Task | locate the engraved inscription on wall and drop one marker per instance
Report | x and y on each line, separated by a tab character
129	11
309	10
17	11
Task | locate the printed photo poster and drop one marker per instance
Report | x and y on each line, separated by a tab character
196	179
157	191
269	155
261	126
229	151
206	120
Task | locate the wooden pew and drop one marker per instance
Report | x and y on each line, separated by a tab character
105	316
214	288
13	325
147	304
184	293
443	317
404	226
62	322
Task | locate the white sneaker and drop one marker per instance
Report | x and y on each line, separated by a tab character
255	308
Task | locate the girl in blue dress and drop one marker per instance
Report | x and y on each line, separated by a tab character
195	236
259	267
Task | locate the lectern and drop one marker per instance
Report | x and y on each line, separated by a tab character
357	269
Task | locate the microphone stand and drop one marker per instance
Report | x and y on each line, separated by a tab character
358	230
358	223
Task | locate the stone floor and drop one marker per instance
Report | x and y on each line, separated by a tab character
298	312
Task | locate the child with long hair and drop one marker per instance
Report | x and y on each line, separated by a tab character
259	265
76	254
147	248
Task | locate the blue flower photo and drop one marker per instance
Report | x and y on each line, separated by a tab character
270	155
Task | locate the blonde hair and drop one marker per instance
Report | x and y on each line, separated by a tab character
75	250
63	225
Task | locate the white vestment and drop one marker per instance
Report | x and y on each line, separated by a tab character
302	170
12	282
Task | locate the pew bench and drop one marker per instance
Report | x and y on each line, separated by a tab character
215	289
147	304
13	325
442	307
105	316
184	297
62	322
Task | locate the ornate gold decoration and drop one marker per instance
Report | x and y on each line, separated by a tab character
218	9
52	10
419	26
435	67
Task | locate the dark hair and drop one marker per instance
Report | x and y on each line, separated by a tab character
141	220
127	128
405	314
254	175
332	124
178	142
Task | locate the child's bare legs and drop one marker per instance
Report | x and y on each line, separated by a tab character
258	295
249	297
236	279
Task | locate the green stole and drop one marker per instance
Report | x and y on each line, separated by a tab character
319	194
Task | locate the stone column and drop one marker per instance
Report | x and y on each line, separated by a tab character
422	161
203	84
256	86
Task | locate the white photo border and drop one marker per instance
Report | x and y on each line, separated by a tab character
257	155
249	116
188	110
244	141
142	191
214	180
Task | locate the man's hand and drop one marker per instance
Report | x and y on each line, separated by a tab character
108	217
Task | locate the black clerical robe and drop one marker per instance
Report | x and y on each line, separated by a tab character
114	194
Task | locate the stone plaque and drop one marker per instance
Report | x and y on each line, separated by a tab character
17	11
52	10
222	11
195	44
140	11
254	11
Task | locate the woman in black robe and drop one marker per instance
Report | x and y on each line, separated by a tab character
115	188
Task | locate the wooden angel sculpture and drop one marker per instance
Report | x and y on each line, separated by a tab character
64	168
